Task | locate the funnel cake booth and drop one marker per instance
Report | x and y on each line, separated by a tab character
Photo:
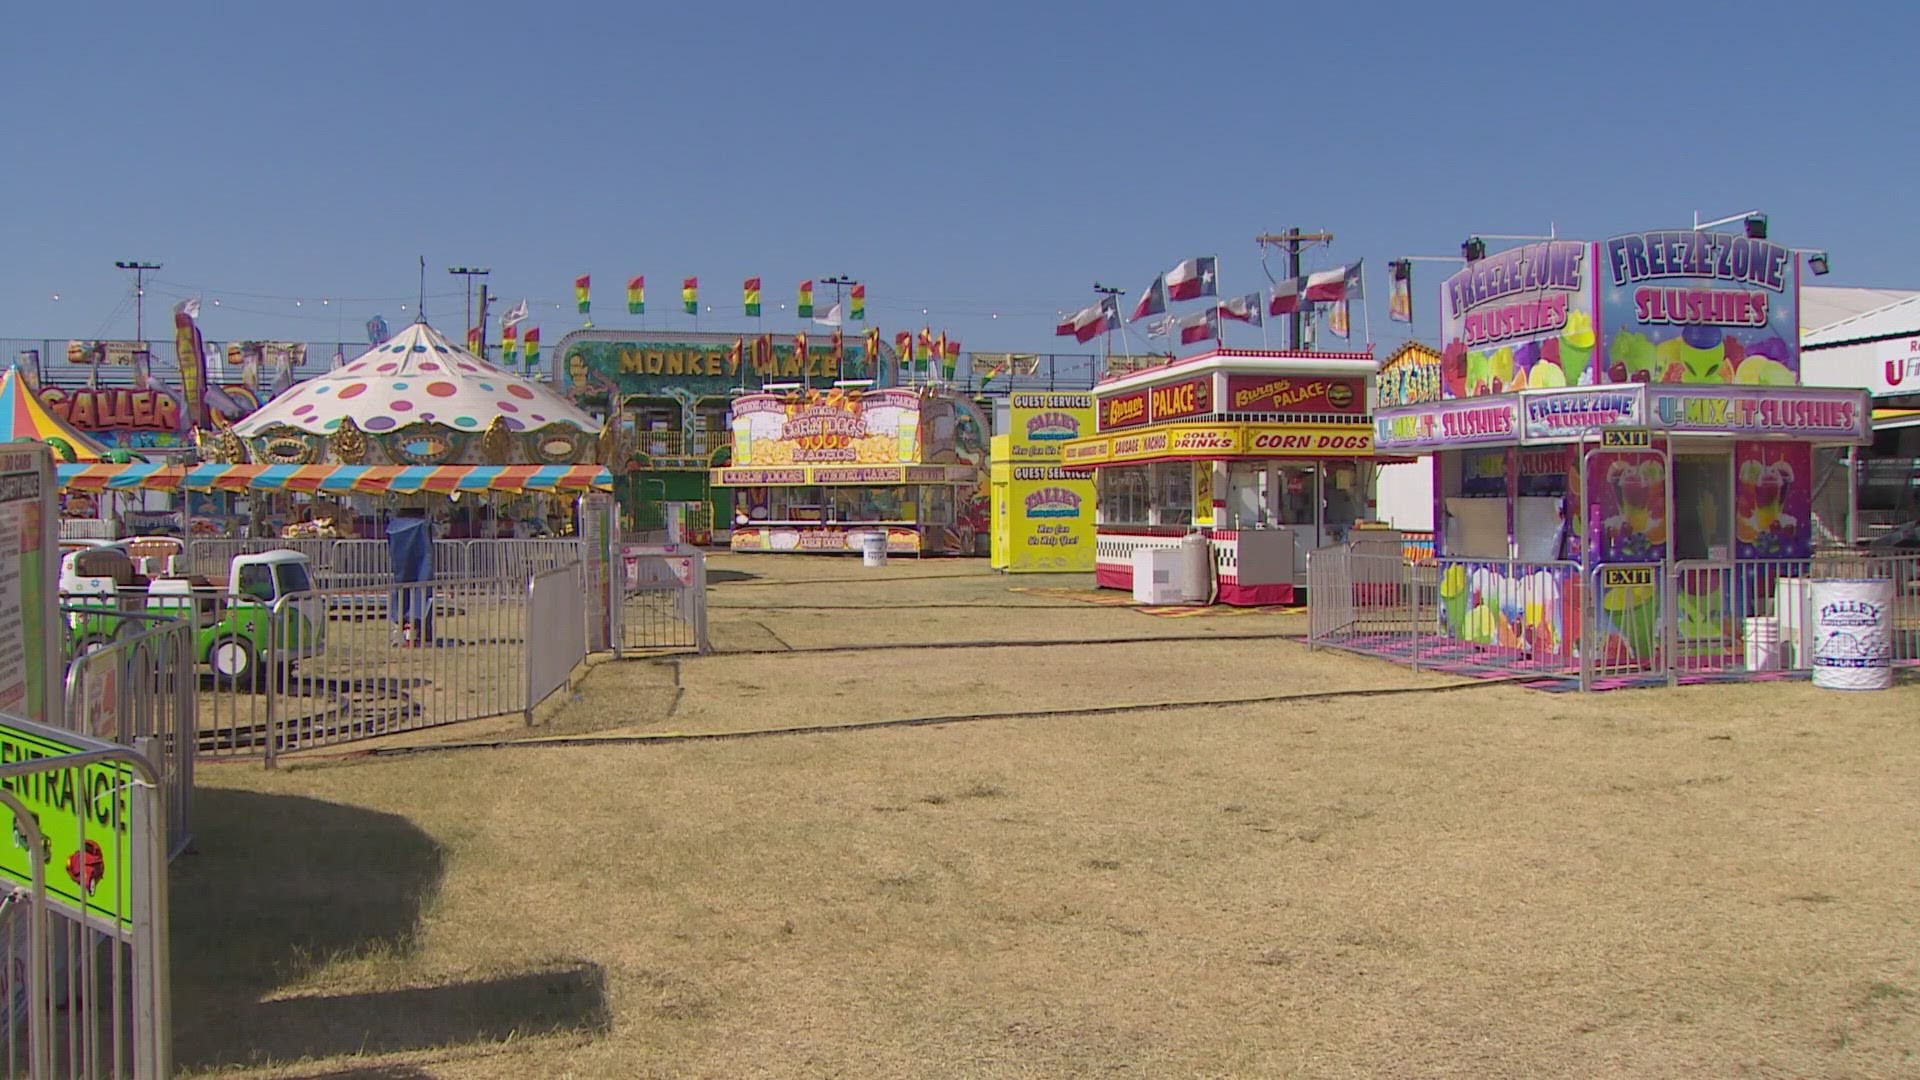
1266	452
818	471
1617	429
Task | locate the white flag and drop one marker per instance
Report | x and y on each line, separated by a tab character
191	307
831	318
515	314
1160	327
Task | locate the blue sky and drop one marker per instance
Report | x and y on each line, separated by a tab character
966	159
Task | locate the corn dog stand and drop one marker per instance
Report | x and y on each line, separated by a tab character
1266	454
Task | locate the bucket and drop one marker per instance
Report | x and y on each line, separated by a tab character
873	549
1853	634
1763	644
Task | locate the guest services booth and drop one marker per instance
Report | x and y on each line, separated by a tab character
1267	453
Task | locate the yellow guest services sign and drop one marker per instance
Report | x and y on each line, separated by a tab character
1048	506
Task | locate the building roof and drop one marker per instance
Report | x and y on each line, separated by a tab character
1834	315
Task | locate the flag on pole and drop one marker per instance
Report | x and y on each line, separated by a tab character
532	341
1200	327
950	357
837	346
1244	309
750	296
806	300
1339	283
637	295
473	340
1400	295
1286	297
690	295
509	342
1091	321
871	342
800	351
1193	278
923	351
940	350
583	292
902	354
515	315
1337	319
831	318
1153	301
858	294
1161	326
736	354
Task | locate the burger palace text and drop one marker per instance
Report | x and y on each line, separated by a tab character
1266	452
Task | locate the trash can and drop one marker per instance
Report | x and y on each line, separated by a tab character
873	549
1853	634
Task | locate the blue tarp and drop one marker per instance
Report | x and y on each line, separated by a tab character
410	546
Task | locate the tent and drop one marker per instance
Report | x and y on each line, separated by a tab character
24	418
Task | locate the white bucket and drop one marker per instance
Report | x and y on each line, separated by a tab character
1763	644
1853	634
873	549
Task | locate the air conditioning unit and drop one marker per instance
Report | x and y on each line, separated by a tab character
1158	576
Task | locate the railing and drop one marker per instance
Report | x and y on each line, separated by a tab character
556	630
659	599
354	562
1609	625
681	444
142	686
83	932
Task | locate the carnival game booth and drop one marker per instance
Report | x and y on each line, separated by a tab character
1265	452
819	471
1623	467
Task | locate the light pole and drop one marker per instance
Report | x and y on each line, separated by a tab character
139	268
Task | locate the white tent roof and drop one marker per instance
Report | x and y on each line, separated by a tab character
1830	314
417	377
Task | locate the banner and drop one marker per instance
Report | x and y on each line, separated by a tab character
1681	306
1517	319
191	350
117	353
1400	294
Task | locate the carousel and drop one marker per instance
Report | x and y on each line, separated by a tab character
415	422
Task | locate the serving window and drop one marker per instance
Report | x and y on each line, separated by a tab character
1123	495
1172	484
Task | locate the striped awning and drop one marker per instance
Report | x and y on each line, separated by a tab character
398	479
123	477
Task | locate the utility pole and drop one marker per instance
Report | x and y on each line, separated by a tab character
469	272
483	319
838	283
1292	240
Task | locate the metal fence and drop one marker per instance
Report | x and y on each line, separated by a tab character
142	686
354	562
659	599
1607	625
83	937
556	631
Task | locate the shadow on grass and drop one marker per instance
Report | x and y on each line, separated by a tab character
721	577
277	887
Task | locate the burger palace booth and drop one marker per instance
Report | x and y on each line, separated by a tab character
1622	454
1264	453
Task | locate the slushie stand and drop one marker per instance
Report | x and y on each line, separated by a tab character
1623	460
1267	453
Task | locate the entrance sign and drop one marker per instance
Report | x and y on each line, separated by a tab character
93	879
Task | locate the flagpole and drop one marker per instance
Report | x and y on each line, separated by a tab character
1219	324
1366	317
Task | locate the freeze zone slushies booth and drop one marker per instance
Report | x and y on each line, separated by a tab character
1265	452
1618	434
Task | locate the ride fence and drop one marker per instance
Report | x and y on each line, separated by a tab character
1612	625
556	630
354	562
658	600
141	686
83	932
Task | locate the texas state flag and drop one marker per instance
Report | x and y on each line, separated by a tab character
1193	279
1153	301
1200	327
1286	297
1245	309
1330	286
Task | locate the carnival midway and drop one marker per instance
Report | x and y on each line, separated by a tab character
1638	462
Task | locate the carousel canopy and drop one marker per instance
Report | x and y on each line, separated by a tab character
23	418
341	479
416	377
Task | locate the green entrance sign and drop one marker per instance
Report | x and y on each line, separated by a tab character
89	874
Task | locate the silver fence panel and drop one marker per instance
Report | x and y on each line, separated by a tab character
85	972
143	687
393	658
661	598
556	632
520	558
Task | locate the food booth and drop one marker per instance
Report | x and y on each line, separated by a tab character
1617	429
1266	452
818	471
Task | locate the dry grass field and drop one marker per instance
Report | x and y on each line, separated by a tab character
1436	881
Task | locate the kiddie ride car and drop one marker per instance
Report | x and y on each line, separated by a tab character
231	619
